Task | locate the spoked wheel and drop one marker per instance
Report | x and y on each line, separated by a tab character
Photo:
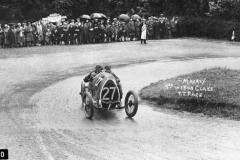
87	104
131	104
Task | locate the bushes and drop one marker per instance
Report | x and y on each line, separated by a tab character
210	27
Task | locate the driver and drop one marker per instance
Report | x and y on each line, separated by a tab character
92	74
90	77
108	70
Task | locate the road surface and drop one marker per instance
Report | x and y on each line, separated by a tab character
41	117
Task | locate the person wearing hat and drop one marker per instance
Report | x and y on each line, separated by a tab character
178	25
1	36
29	35
108	31
19	34
131	27
97	70
89	77
12	36
162	26
96	30
175	26
65	37
137	29
6	37
143	28
71	32
150	28
113	34
116	31
86	28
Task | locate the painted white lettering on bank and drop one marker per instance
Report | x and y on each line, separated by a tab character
186	87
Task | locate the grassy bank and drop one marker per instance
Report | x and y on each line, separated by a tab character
213	92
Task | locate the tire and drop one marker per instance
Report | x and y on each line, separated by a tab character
87	104
131	104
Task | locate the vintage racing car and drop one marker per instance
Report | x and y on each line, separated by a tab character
103	93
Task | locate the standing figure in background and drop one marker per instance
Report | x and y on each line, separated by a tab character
150	28
112	29
6	37
174	26
96	31
48	36
162	26
12	36
65	33
86	31
91	31
143	28
108	31
1	36
55	36
137	29
102	31
178	25
168	28
34	32
71	32
131	28
29	34
157	29
19	33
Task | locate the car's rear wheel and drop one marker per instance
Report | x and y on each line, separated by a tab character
131	104
87	103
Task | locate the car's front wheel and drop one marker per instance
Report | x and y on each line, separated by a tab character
131	104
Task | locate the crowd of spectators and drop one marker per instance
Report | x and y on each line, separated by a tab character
84	31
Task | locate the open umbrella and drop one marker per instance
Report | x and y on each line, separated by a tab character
98	16
154	18
124	17
85	16
135	17
103	16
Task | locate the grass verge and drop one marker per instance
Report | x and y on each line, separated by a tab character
213	92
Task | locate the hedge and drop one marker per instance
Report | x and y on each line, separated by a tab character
210	27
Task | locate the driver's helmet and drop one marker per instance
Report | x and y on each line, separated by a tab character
107	68
98	68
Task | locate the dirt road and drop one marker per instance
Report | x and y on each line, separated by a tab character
41	116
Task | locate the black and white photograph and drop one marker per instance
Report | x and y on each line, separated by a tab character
120	79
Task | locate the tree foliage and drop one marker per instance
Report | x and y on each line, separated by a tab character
23	10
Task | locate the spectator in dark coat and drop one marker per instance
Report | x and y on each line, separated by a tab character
137	29
113	32
19	34
1	36
29	34
102	31
12	36
162	26
131	27
108	31
157	29
168	29
71	32
96	31
56	36
91	31
86	28
150	29
6	37
65	37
